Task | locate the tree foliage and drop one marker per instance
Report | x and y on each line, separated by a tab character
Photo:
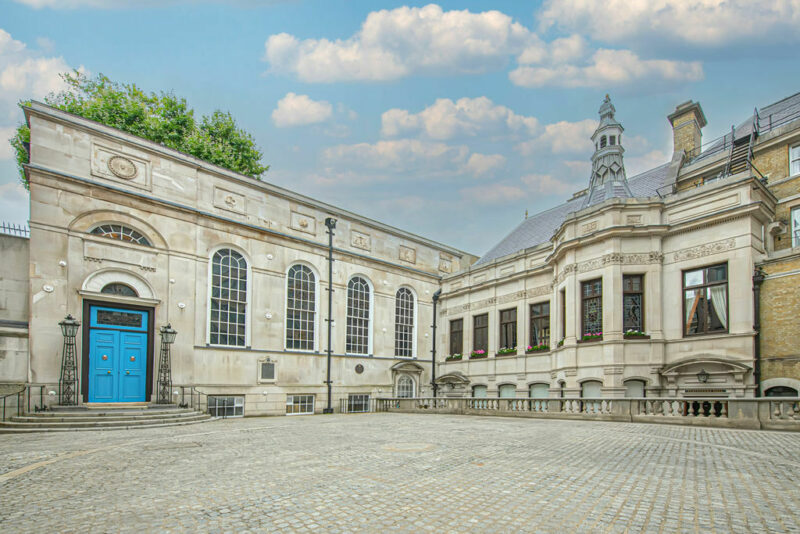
162	118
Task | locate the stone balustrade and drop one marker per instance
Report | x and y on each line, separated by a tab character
763	413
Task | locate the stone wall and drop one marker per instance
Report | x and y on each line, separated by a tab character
14	309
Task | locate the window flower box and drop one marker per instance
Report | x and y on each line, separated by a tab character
635	334
532	349
505	351
454	358
591	336
478	354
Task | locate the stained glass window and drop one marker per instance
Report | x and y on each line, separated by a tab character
592	297
632	303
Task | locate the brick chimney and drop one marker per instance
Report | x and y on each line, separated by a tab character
687	122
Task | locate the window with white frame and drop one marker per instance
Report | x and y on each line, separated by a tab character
358	403
358	315
121	233
404	323
794	160
301	301
796	226
225	406
405	387
228	298
299	404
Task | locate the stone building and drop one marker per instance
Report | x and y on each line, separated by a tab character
644	285
635	286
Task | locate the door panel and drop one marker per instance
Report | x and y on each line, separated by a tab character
133	360
103	359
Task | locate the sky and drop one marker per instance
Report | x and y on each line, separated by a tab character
447	120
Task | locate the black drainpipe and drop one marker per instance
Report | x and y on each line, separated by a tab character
330	222
433	349
758	279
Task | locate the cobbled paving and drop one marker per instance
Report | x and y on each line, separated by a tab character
401	473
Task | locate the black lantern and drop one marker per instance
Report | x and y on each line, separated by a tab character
68	382
702	376
165	365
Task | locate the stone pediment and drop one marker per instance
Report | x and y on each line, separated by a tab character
407	367
454	377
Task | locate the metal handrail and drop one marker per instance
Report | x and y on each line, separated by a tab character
198	406
19	230
19	403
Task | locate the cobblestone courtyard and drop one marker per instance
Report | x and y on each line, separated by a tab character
406	473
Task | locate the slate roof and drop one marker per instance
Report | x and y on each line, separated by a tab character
770	117
540	228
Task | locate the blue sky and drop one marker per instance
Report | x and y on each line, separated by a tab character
448	120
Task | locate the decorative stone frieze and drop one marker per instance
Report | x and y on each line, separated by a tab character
445	263
360	240
408	254
589	227
704	250
228	200
303	223
633	219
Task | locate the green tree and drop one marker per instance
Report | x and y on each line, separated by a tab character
162	118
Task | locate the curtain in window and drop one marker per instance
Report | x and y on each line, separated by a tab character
720	301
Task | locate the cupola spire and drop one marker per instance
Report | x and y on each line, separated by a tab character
608	170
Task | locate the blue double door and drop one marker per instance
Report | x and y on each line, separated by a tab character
118	343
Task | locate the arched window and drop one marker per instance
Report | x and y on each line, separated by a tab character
228	298
122	233
603	141
404	323
301	301
634	389
405	387
591	389
539	391
507	391
117	288
479	391
358	315
780	391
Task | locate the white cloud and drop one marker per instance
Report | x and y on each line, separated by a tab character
299	110
395	43
446	119
546	184
402	155
639	164
697	22
483	164
24	74
6	150
607	68
14	202
561	138
492	195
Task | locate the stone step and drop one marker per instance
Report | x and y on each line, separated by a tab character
109	413
82	418
53	425
27	429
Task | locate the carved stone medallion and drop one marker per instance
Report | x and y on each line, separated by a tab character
122	167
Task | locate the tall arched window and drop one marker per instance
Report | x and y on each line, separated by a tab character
301	302
404	323
358	315
228	298
121	233
405	387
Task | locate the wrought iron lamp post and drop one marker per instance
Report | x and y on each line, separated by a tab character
165	365
68	383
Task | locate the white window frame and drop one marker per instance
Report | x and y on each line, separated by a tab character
362	396
794	225
238	402
413	386
248	295
370	318
316	323
291	402
794	156
414	321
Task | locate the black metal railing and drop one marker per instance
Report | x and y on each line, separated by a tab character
19	230
193	398
14	402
